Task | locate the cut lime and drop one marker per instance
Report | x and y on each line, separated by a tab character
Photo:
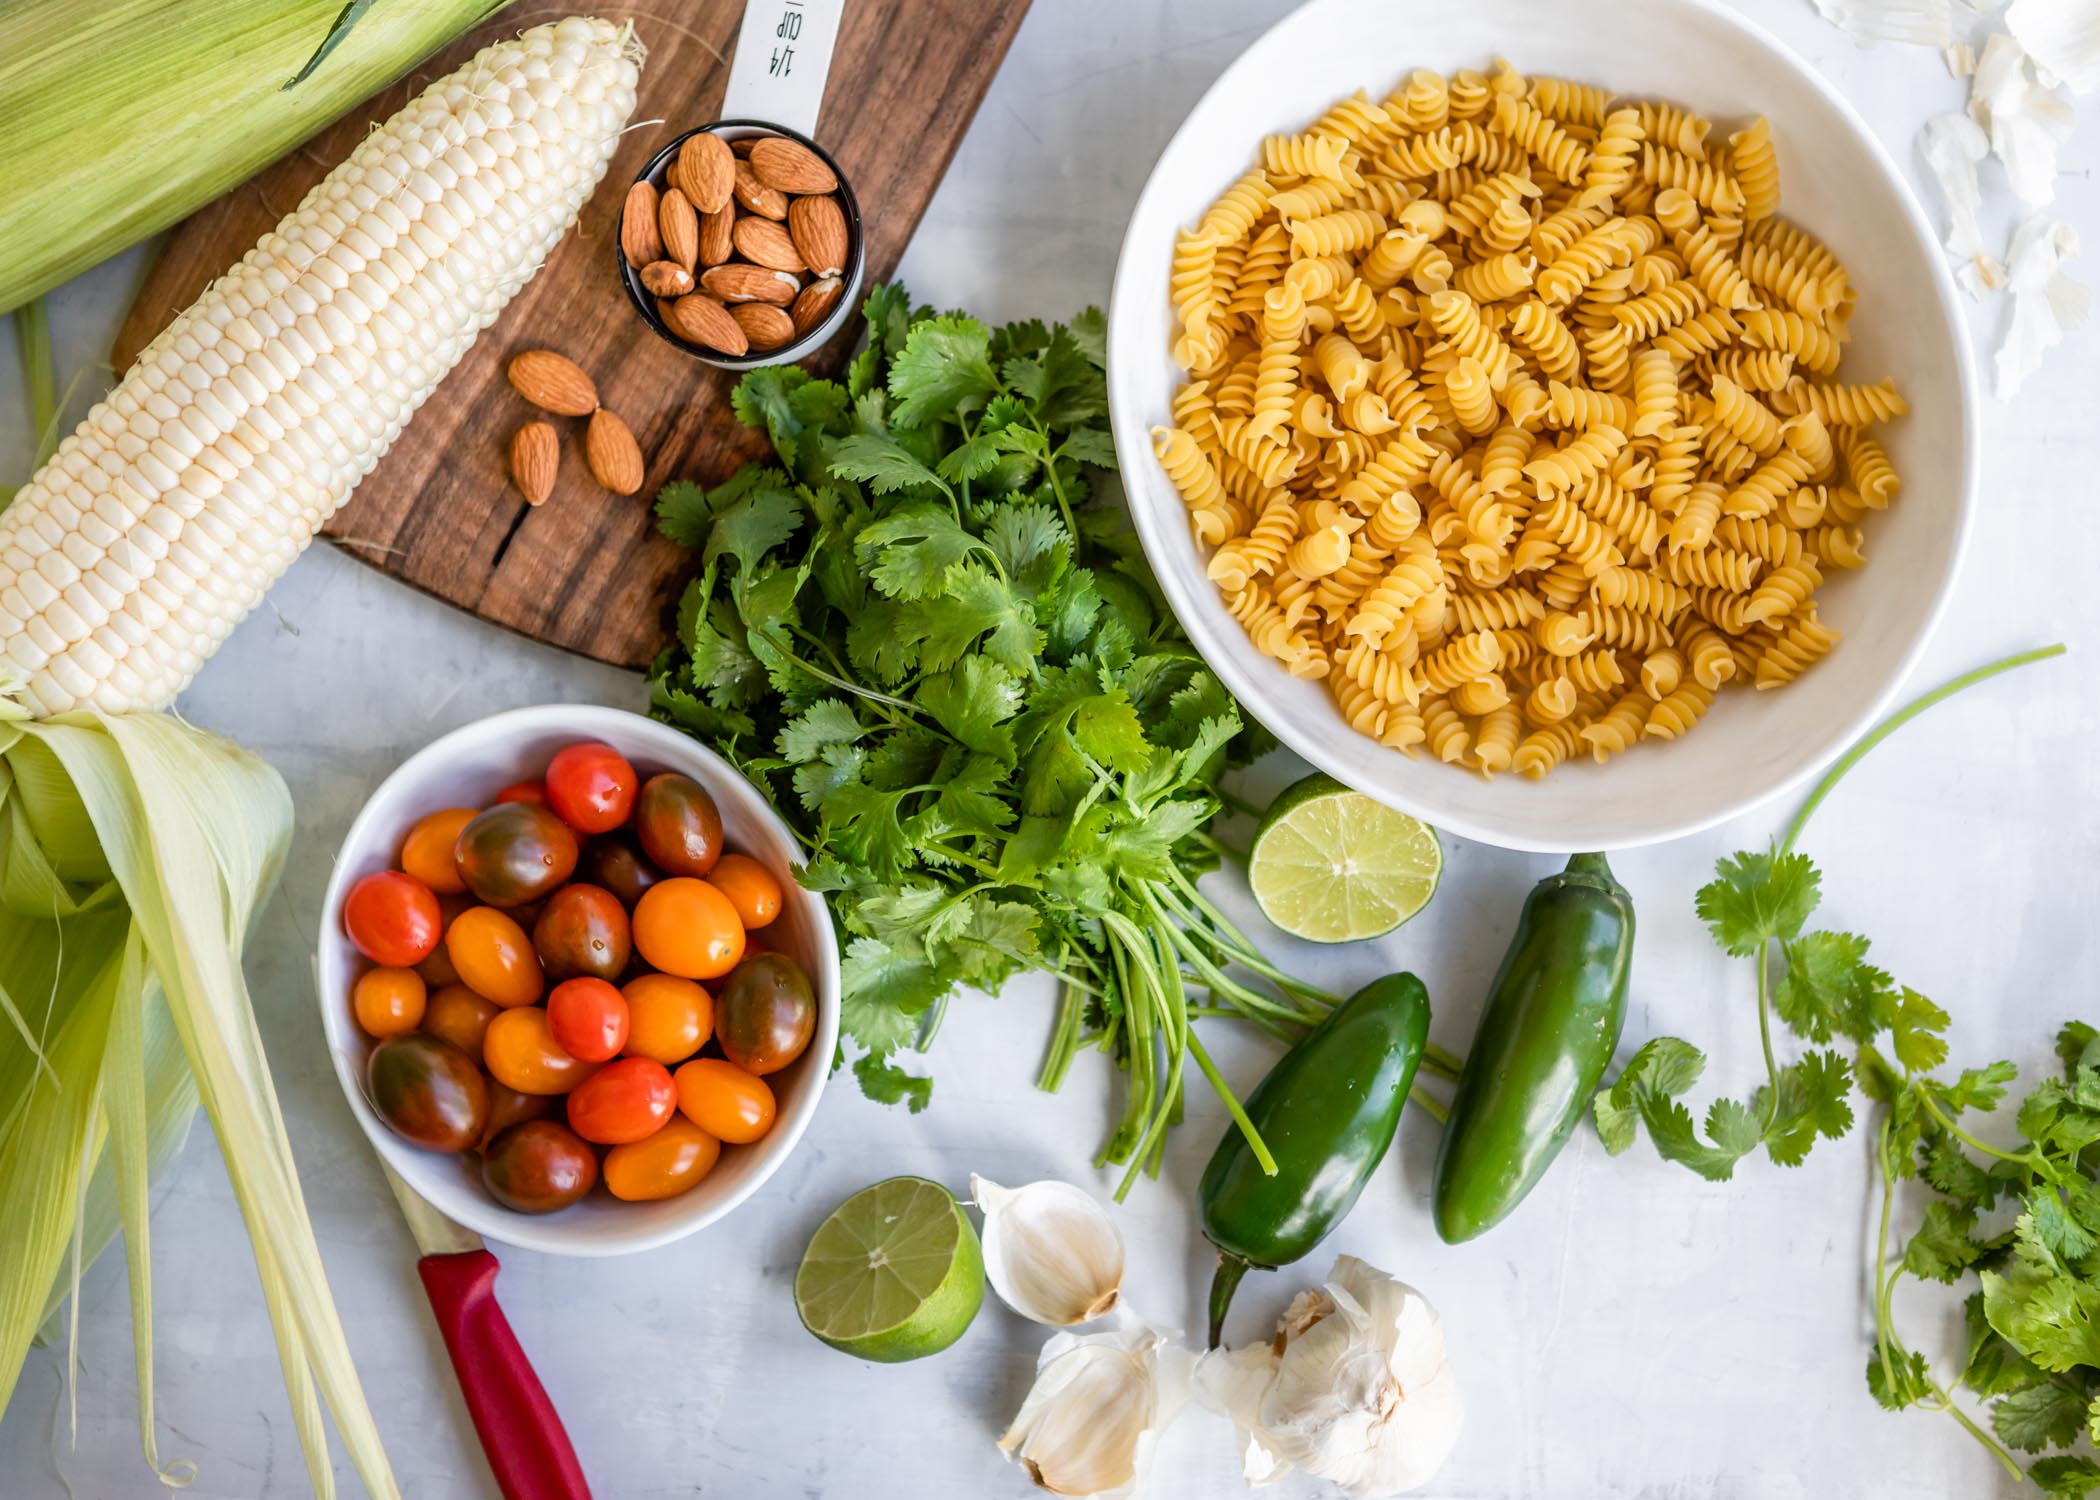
894	1274
1333	865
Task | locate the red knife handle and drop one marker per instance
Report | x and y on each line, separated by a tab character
520	1431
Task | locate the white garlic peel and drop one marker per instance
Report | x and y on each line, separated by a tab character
1922	23
1051	1251
2026	121
1355	1389
2046	303
1952	145
2063	38
1099	1403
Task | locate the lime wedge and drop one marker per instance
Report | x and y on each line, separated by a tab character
1333	865
894	1274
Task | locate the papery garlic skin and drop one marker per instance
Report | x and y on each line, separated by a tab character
1098	1405
1358	1392
1051	1251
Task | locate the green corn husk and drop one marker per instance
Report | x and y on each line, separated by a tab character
120	117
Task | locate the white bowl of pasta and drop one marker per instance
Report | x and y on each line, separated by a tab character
1503	426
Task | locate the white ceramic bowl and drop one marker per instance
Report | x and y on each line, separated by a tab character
1837	181
467	767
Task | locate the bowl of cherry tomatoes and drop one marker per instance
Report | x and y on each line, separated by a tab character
570	985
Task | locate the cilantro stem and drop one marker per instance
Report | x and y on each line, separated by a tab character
2024	1159
1764	1034
1064	1038
1236	802
1064	506
1426	1102
1997	1449
1175	1027
1442	1061
841	683
1232	1106
1222	848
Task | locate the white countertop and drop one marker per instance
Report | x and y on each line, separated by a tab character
1633	1332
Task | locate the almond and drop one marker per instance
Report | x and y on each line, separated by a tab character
666	278
757	197
741	147
615	458
681	228
706	322
791	167
553	382
717	239
739	283
818	226
639	241
765	243
815	303
705	171
765	325
535	454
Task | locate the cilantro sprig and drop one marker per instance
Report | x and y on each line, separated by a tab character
921	632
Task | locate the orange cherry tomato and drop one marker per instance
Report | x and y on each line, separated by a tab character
588	1018
460	1016
688	928
388	1001
591	787
521	1053
427	851
668	1018
623	1101
662	1165
393	919
750	887
494	957
534	792
723	1100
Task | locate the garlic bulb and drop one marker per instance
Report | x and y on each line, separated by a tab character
1098	1405
1354	1388
1050	1251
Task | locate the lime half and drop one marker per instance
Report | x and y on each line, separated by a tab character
894	1274
1334	865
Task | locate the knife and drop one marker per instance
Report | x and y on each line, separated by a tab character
521	1433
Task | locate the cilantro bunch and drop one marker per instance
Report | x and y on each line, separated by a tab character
943	658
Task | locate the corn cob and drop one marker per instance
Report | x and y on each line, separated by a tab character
160	522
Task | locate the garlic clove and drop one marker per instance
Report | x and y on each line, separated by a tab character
1233	1383
1099	1402
1051	1251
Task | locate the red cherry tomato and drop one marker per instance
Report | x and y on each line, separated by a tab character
533	792
393	919
588	1018
623	1101
591	787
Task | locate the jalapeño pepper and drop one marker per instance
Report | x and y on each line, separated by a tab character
1327	1112
1547	1035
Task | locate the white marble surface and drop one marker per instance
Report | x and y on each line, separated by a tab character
1634	1332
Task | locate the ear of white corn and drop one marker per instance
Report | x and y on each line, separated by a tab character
182	497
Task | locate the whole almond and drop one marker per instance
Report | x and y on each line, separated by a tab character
705	171
791	167
765	243
666	278
553	382
741	283
816	301
680	227
764	324
639	241
535	455
818	226
757	197
717	238
706	322
614	457
742	146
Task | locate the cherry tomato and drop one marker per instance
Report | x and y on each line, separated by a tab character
668	1018
460	1016
679	825
388	1001
538	1167
750	887
508	1107
533	792
662	1165
623	1101
588	1019
688	928
494	957
427	851
392	919
521	1053
723	1100
582	930
428	1090
591	787
515	852
765	1013
616	862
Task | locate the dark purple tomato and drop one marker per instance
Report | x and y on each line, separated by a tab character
679	825
508	1107
538	1167
515	852
615	861
428	1091
765	1013
582	932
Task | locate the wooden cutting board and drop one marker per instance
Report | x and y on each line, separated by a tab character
587	570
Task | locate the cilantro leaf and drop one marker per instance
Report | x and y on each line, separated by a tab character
1754	898
972	700
1734	1132
2066	1476
683	513
1941	1249
757	521
2041	1416
886	1083
1915	1033
829	721
943	370
1903	1382
1814	1099
1829	989
2056	1226
911	550
883	993
1977	1088
2049	1316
